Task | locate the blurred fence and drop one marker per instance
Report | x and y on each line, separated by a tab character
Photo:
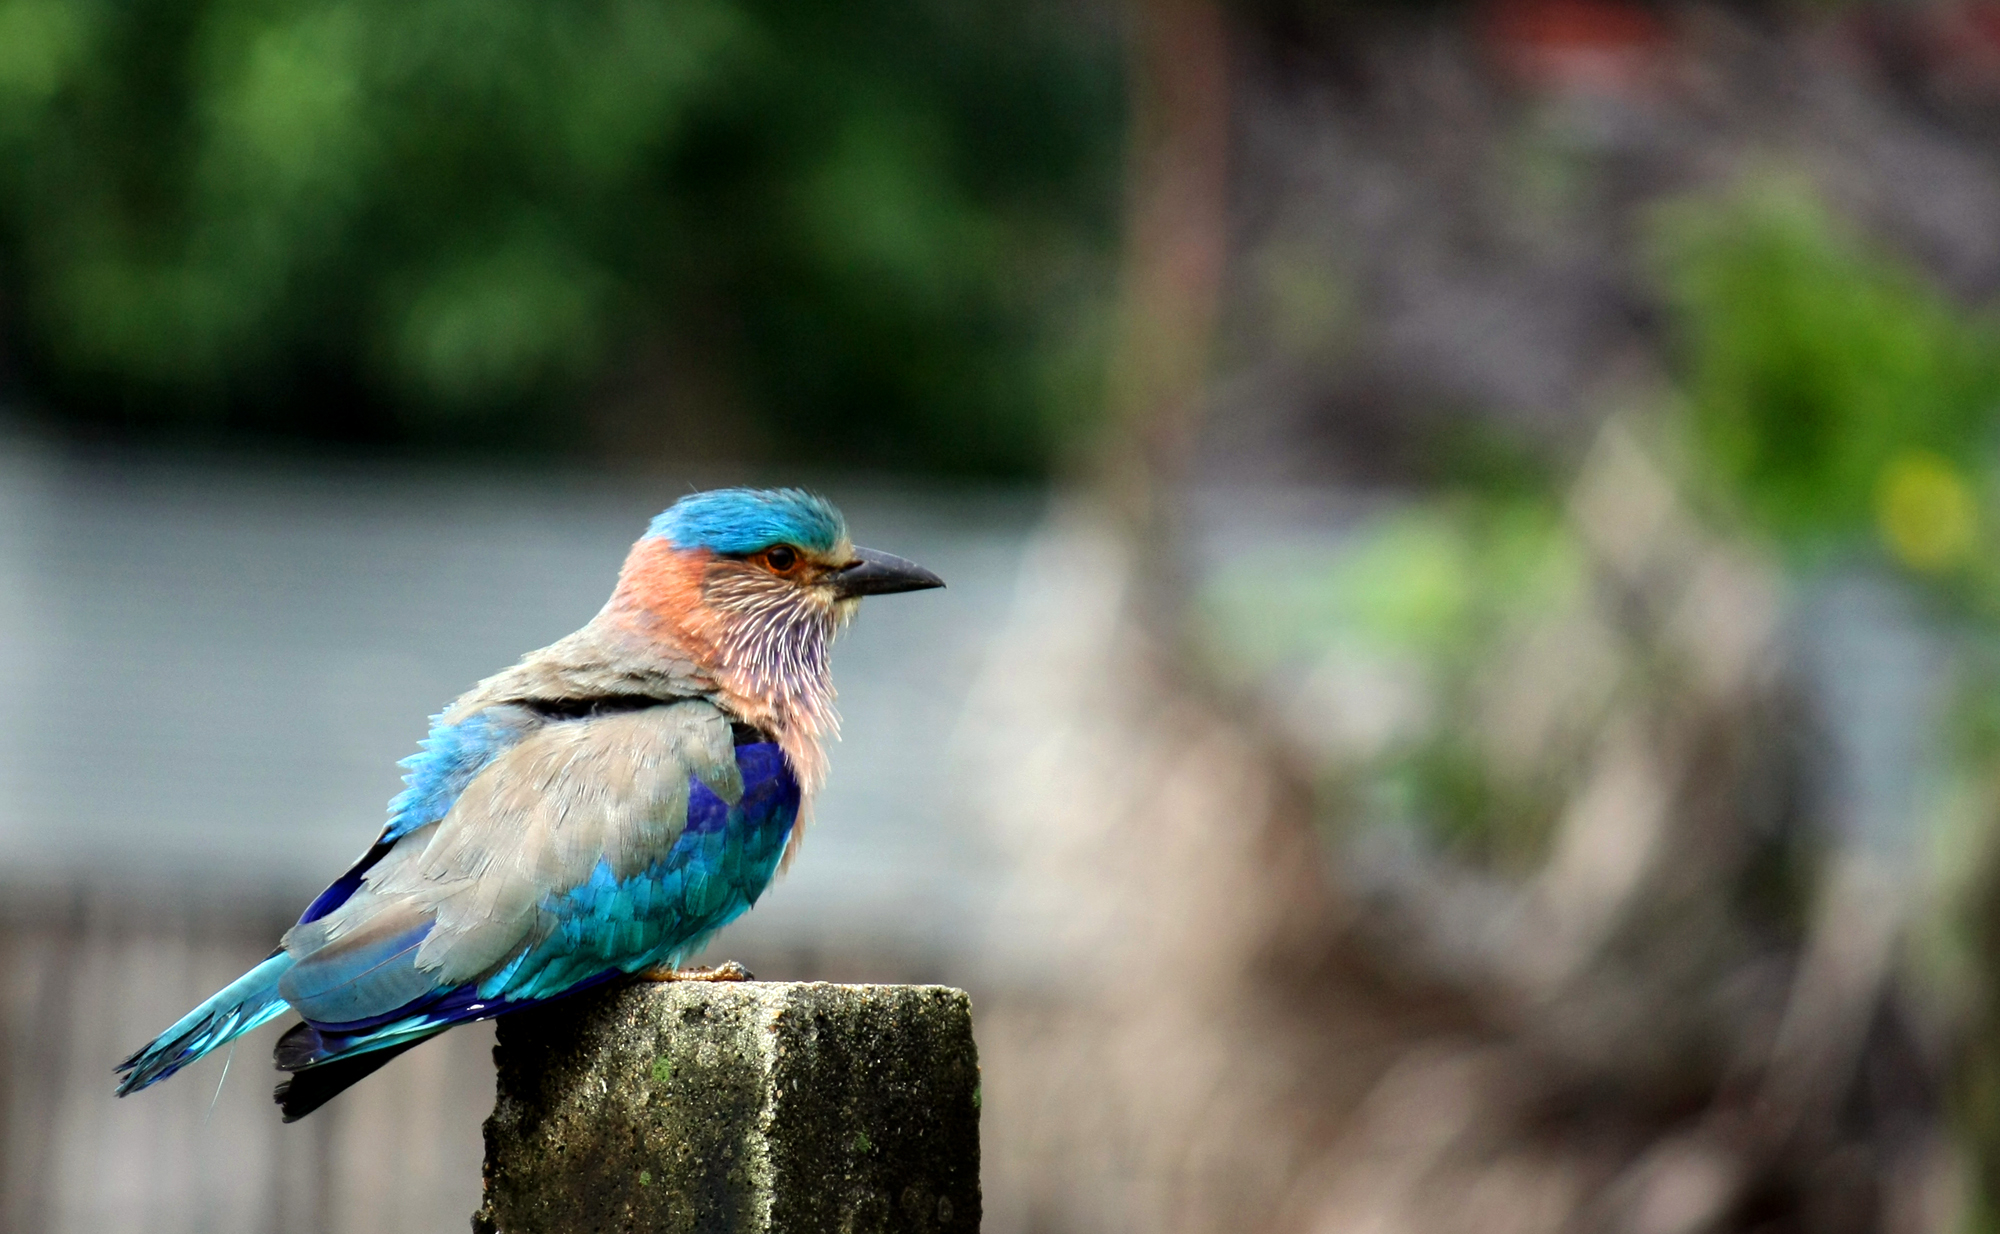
88	973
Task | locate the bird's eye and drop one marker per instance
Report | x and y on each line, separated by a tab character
781	558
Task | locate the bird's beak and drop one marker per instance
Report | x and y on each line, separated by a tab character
879	574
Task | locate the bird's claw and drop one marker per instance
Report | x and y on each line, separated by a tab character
730	971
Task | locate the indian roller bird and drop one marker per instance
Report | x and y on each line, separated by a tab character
594	813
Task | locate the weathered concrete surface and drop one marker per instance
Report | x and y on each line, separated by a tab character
736	1106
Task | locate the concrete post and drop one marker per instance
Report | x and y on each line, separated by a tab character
736	1106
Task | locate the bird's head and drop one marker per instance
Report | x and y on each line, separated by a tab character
763	548
752	585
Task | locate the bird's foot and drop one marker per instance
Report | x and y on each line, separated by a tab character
731	971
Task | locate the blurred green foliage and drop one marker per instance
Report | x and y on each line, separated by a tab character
1449	662
1833	390
866	232
1389	648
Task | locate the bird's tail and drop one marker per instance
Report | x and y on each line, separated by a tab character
238	1007
326	1063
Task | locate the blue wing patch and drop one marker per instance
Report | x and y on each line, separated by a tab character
718	867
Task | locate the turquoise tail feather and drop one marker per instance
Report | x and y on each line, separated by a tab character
238	1007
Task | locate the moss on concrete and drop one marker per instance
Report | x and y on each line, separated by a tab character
738	1106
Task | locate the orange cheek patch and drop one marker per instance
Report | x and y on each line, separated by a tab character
659	591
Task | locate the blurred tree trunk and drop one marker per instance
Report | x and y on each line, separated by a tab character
1175	1081
1177	248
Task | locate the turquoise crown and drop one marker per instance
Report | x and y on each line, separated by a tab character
749	520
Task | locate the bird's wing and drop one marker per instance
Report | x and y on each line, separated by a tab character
605	796
457	749
566	677
453	753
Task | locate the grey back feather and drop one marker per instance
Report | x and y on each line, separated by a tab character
597	661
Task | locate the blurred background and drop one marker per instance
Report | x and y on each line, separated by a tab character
1469	693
